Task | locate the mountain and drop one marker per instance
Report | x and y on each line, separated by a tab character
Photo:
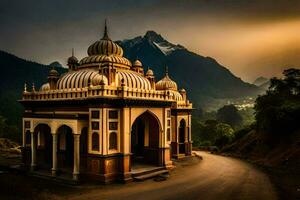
265	85
260	80
203	77
14	73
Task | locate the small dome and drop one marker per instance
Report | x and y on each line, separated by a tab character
45	87
99	79
72	60
137	63
53	72
166	84
149	72
105	46
182	90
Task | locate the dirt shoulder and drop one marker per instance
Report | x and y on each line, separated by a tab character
280	159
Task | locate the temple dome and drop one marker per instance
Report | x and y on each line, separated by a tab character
105	58
105	46
45	87
76	79
133	80
149	72
105	51
137	63
72	60
53	72
99	79
166	83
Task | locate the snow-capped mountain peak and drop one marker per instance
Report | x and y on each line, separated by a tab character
159	42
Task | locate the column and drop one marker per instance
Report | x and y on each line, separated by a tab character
54	154
76	156
33	151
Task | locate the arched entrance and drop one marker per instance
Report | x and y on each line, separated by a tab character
65	147
145	140
182	136
43	138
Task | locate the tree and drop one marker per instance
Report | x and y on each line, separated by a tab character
225	134
229	114
278	111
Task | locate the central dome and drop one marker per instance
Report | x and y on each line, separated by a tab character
166	83
105	46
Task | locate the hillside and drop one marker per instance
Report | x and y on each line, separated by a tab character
15	72
203	77
260	80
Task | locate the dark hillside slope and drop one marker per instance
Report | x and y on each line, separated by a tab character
14	73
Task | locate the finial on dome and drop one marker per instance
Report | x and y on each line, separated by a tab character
105	36
72	51
33	87
25	87
167	70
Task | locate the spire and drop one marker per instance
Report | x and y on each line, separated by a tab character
25	87
167	71
33	87
105	36
72	51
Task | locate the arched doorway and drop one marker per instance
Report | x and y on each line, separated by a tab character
182	136
43	138
65	148
145	140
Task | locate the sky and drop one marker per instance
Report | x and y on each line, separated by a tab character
251	38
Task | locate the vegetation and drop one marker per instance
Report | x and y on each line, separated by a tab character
278	111
15	72
8	130
229	115
219	128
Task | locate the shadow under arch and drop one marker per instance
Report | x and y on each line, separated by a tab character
65	148
83	148
43	139
145	139
182	136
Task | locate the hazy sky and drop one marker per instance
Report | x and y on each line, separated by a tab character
250	37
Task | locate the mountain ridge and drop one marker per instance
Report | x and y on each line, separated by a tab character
203	77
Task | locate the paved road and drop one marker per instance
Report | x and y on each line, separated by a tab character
215	177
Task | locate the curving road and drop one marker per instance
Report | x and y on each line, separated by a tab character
215	177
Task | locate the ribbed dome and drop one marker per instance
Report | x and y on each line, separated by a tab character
105	46
99	79
182	90
176	95
72	60
105	58
53	72
149	72
76	79
133	80
166	84
137	63
45	87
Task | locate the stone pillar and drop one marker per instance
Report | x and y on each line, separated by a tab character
54	154
33	151
76	156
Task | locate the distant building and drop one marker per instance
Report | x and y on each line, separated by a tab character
104	117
